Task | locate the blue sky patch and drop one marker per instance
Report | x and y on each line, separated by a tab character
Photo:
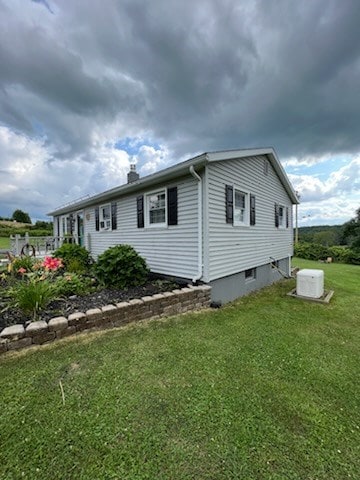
132	145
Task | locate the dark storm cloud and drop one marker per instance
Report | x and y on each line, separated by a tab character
76	77
213	74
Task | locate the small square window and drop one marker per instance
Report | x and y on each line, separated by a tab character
250	274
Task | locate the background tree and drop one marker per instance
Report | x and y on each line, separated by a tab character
351	231
22	217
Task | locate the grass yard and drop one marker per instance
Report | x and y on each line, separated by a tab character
4	243
265	388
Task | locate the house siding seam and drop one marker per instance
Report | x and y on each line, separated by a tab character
231	248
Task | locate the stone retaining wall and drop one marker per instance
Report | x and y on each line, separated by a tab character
155	306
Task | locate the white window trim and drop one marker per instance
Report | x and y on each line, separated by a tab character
107	222
147	210
246	223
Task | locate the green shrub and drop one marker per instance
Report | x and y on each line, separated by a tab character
32	296
121	266
73	284
74	265
311	251
314	251
75	258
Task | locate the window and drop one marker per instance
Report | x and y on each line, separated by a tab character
156	208
105	217
241	208
250	274
281	216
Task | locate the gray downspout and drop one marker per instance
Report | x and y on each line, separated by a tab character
200	262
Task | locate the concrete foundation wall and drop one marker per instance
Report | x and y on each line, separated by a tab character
227	289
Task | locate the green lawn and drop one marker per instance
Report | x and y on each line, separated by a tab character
265	388
4	242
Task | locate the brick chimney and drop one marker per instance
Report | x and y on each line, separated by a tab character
132	176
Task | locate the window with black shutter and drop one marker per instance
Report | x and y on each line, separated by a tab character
97	219
229	204
140	211
113	216
287	217
172	206
276	215
252	210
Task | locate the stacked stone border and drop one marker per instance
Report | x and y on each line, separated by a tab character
159	305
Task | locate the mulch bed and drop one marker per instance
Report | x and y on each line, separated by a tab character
98	299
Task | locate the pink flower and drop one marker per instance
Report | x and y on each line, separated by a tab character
51	263
22	270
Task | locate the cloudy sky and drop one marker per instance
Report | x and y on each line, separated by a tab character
88	86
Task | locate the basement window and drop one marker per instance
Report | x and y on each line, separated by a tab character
250	274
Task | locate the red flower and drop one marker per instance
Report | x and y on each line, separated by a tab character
51	263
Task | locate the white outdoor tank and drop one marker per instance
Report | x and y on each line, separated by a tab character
310	283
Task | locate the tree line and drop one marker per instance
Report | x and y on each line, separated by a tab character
340	242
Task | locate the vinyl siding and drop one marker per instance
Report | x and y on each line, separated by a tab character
170	250
230	248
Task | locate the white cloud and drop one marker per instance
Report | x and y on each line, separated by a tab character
305	161
345	180
77	78
152	159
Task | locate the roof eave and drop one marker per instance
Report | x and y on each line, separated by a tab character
162	176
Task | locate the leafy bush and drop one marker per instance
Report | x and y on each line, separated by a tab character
73	284
311	251
75	258
314	251
122	267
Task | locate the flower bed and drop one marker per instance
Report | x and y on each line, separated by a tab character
113	315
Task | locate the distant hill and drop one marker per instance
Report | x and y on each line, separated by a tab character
328	235
13	224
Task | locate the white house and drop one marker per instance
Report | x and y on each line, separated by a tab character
222	218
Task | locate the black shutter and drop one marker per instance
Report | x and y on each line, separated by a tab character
172	206
276	215
97	219
113	216
229	204
70	224
287	217
140	211
252	210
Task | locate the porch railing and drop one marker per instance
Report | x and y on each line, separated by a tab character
37	246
